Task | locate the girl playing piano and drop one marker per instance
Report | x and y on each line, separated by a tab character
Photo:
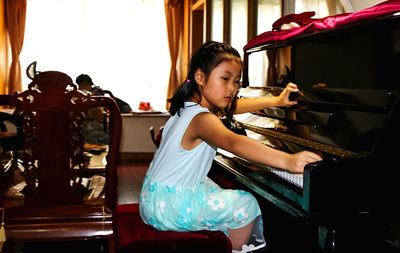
177	194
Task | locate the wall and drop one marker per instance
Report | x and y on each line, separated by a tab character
136	142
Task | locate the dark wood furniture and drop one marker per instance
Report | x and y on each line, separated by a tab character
11	140
54	208
156	138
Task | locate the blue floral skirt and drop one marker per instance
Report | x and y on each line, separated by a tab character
204	207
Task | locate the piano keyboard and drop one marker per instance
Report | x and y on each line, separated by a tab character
295	179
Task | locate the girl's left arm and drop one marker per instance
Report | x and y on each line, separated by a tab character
254	104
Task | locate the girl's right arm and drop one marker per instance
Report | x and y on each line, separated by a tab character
209	128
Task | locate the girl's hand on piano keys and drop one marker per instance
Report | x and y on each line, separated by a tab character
299	160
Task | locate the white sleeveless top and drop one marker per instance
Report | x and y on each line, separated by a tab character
175	165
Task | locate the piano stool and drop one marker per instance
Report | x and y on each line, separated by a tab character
133	235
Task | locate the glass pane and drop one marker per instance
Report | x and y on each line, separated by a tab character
217	14
268	12
319	6
101	39
238	28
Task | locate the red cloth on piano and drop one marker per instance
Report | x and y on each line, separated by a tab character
382	9
302	19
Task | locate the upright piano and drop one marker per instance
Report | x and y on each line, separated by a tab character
348	111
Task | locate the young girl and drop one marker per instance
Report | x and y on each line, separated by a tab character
177	194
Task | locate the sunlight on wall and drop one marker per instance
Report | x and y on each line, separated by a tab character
121	44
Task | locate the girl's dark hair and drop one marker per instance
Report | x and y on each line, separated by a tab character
208	57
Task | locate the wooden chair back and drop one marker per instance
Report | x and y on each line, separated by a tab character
53	159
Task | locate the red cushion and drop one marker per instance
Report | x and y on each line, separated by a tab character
133	235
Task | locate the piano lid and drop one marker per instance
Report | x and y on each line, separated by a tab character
340	122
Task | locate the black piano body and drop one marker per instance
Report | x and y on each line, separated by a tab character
348	201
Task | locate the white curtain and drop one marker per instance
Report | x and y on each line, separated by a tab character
121	44
238	32
321	7
217	20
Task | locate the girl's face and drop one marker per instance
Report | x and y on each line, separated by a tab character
222	84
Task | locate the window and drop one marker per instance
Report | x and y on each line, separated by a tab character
122	45
217	19
267	12
238	28
321	7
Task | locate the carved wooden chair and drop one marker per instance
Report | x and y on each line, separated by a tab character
54	207
11	140
156	138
